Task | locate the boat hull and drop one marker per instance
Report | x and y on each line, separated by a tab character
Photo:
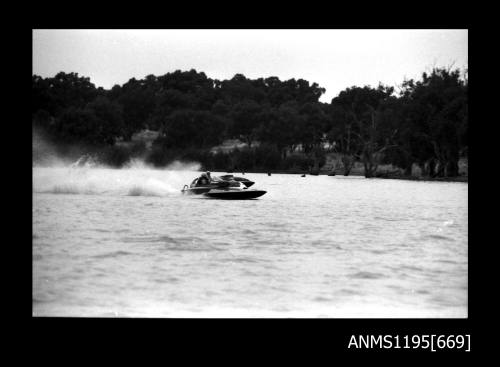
234	195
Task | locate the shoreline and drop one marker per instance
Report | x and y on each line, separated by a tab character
356	174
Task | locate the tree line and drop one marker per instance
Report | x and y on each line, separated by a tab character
425	122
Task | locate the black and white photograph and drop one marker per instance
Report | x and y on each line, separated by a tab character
250	173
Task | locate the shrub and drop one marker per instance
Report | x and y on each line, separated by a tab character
298	162
115	156
267	157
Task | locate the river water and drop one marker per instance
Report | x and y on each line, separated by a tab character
127	243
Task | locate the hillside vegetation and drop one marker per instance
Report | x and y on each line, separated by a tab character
420	129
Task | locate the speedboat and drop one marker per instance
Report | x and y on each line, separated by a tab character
224	187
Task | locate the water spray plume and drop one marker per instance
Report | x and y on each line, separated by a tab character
80	172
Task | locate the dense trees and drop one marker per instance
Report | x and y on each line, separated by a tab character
98	122
425	123
246	116
437	121
369	122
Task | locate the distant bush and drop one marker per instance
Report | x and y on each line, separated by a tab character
138	148
267	157
115	156
158	156
262	158
119	155
245	159
297	162
219	161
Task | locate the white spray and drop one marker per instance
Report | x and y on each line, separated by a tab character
60	175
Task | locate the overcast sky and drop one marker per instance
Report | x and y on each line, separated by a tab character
335	59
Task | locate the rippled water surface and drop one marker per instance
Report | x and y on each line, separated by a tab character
128	243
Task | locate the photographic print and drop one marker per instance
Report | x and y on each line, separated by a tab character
250	173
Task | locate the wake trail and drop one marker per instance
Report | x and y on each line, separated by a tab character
136	179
